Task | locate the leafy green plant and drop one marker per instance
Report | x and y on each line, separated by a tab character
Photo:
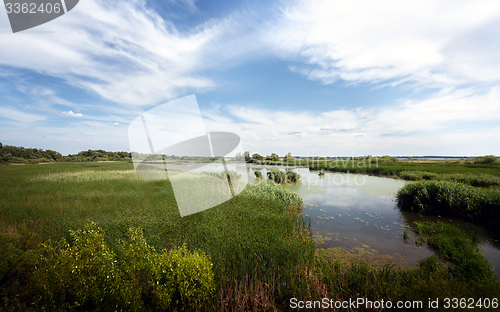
258	174
87	275
178	276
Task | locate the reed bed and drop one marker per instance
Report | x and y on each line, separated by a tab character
452	199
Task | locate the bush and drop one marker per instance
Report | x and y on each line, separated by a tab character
279	176
487	160
83	276
88	276
258	174
292	176
177	277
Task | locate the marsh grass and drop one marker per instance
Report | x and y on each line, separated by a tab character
391	169
261	249
452	199
86	175
481	180
455	247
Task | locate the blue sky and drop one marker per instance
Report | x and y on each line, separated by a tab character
309	77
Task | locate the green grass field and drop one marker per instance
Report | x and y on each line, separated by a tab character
259	245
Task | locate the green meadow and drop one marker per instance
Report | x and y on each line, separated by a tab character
94	236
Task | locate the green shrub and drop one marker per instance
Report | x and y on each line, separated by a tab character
176	277
88	276
279	176
487	160
83	276
258	174
292	176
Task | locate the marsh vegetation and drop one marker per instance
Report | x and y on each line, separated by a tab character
255	251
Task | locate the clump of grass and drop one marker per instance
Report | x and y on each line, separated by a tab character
406	236
279	176
258	174
452	199
271	191
454	246
417	175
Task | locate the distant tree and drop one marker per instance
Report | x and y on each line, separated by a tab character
257	157
7	157
247	156
273	157
288	157
410	158
387	158
1	145
487	160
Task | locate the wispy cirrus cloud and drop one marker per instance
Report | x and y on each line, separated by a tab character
430	43
20	116
122	51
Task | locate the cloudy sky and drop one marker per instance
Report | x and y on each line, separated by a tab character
309	77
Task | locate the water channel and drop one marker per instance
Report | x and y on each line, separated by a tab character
355	216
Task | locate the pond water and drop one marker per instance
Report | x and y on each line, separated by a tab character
355	216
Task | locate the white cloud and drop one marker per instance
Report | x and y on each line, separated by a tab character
71	114
120	50
20	116
432	126
436	43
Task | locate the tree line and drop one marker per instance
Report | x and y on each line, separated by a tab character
20	154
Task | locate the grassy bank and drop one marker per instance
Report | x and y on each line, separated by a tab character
452	199
474	179
393	168
259	249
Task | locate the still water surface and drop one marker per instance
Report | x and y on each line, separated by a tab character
355	216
